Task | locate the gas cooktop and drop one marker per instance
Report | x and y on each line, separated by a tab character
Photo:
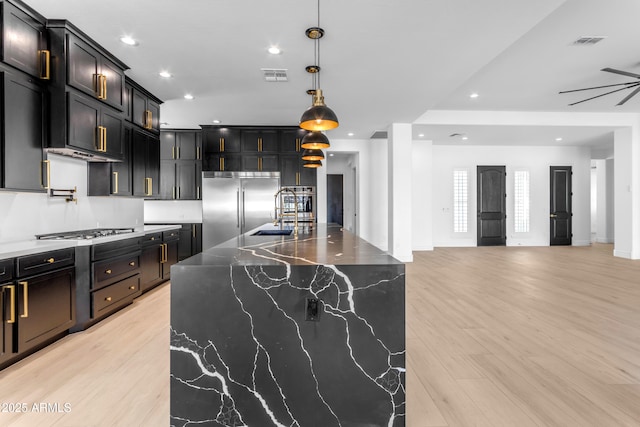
85	234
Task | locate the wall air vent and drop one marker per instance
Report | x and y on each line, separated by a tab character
379	134
588	40
275	74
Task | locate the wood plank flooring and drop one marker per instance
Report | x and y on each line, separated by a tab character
496	336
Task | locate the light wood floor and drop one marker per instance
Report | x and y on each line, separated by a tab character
495	337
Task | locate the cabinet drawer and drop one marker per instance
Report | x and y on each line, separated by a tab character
45	261
116	295
105	272
171	235
152	238
116	248
6	270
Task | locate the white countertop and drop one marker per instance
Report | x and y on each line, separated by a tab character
28	247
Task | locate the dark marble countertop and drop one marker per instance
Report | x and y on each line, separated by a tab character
324	245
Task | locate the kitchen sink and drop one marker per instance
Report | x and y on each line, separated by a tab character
272	233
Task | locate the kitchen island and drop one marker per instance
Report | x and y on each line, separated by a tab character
277	331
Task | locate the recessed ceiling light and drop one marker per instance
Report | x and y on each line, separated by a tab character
216	121
464	138
350	134
558	139
128	40
474	95
274	50
330	154
188	96
421	135
165	74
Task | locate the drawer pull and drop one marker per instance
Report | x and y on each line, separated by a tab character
12	298
25	294
50	260
132	287
107	299
132	263
108	271
153	238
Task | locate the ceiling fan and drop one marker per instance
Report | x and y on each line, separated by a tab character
628	85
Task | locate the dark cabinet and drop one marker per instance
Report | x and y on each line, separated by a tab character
7	310
159	253
221	140
112	178
22	133
94	127
24	40
43	300
46	304
224	162
291	139
293	173
91	72
260	162
180	166
144	107
190	242
145	157
259	140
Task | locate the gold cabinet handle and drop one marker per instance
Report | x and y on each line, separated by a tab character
103	86
193	230
153	238
198	153
173	193
260	164
149	186
108	299
108	271
50	260
132	287
25	294
148	119
221	144
297	144
198	192
297	178
12	298
259	144
44	58
132	263
221	163
46	166
102	139
115	182
553	216
173	152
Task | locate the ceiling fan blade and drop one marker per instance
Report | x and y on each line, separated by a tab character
600	87
628	97
624	73
603	94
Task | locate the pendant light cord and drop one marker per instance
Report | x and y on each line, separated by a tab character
318	49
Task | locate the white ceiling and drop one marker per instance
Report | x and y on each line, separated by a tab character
382	61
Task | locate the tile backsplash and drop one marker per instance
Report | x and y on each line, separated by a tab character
23	215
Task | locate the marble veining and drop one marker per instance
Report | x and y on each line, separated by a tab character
243	353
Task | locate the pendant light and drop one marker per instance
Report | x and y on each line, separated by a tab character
312	155
315	141
312	164
317	117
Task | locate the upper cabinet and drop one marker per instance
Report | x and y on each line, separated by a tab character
93	73
142	107
87	96
291	140
24	40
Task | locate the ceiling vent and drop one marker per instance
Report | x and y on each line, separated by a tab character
380	134
275	74
453	135
588	40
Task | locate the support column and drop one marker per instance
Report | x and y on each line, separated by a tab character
400	191
627	192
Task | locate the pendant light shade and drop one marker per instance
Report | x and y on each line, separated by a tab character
318	116
312	155
312	164
315	141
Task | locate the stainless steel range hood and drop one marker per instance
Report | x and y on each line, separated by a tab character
75	153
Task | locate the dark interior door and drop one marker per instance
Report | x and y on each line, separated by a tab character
335	210
492	215
560	206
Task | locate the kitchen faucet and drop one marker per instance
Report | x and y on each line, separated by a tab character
282	213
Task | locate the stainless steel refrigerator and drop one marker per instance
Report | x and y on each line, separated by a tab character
236	202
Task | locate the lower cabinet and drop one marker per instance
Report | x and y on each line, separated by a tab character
39	304
159	253
190	240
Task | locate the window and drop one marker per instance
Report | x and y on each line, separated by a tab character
460	201
521	201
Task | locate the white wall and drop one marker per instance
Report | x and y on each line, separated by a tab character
623	209
604	200
534	159
24	215
422	194
172	211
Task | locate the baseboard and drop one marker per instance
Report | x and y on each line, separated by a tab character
581	243
603	240
622	254
422	248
